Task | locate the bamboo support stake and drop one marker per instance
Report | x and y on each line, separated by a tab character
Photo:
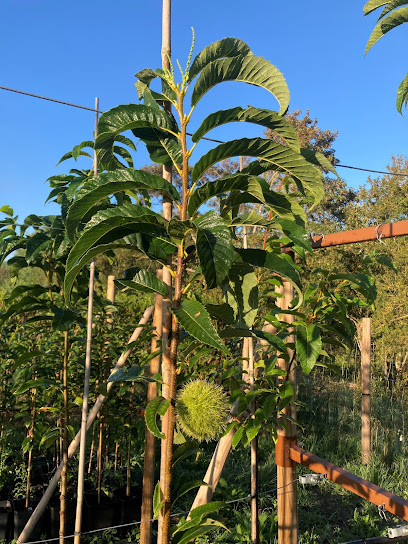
167	214
365	346
36	515
110	296
85	400
64	475
248	365
149	458
286	469
254	452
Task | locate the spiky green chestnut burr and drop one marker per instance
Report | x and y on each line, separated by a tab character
202	410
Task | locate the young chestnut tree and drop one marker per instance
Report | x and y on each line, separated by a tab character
197	245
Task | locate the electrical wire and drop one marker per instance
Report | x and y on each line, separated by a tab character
152	520
204	137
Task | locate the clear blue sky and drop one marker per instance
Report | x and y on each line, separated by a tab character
78	50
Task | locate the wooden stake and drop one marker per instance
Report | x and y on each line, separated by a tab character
85	400
149	457
365	347
64	475
286	469
36	515
167	214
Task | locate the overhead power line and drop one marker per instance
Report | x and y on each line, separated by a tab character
204	137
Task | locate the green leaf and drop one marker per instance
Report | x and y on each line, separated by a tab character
241	293
277	156
224	312
372	5
24	357
248	69
402	94
178	229
225	48
308	346
277	263
193	533
266	118
133	374
157	406
254	186
110	183
195	319
205	509
146	282
127	117
109	229
250	219
185	450
390	5
318	159
391	21
214	248
294	232
157	503
7	210
239	433
188	486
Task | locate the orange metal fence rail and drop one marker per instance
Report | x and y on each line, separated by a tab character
386	230
392	503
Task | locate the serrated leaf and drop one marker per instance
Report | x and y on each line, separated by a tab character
266	118
402	94
146	282
156	407
225	48
391	21
178	229
254	186
24	357
195	319
294	232
109	229
372	5
7	210
188	486
193	533
390	5
277	156
183	451
133	374
241	293
308	346
127	117
239	433
247	69
110	183
224	312
214	248
276	263
157	502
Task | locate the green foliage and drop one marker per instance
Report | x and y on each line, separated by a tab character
202	409
392	16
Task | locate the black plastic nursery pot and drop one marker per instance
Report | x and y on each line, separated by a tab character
70	513
6	520
22	514
130	507
100	516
